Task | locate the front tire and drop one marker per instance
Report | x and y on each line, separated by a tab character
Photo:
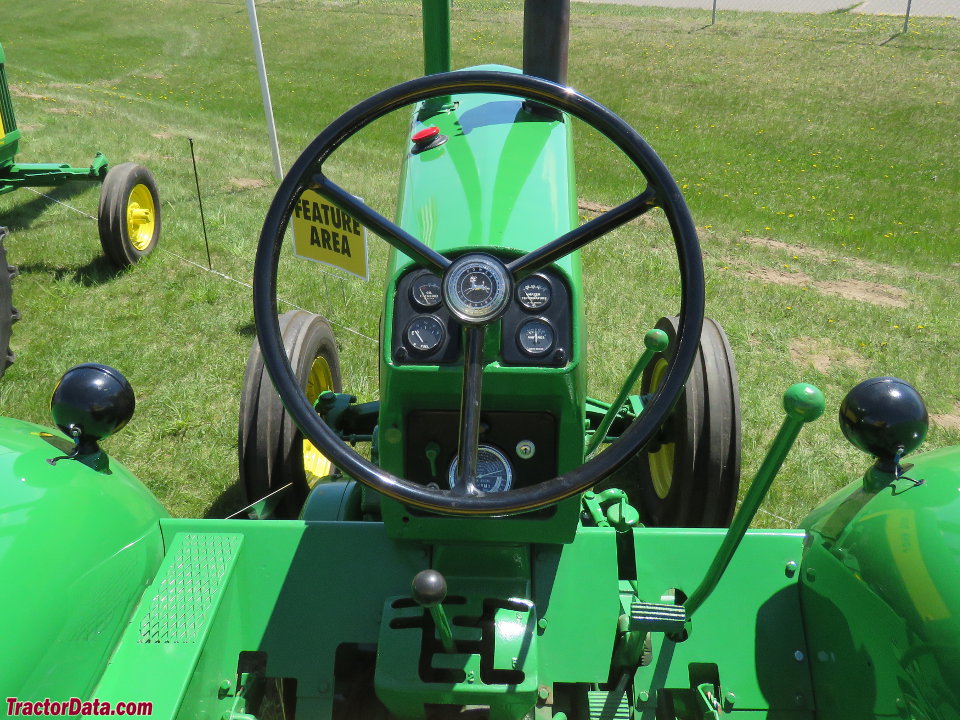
691	477
128	215
273	451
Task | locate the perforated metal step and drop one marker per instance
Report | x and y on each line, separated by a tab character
184	596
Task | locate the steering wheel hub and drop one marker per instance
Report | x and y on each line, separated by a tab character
477	288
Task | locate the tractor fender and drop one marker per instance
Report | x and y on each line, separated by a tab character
880	591
77	548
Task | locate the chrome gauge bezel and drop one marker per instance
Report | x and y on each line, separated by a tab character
440	332
417	296
486	296
531	324
537	303
491	453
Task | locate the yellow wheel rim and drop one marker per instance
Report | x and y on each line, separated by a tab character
141	217
315	463
661	461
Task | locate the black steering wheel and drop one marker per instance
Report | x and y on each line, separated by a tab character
465	498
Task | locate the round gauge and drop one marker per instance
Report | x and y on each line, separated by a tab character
425	292
536	337
477	288
425	333
494	473
534	293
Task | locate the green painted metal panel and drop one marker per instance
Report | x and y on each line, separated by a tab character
71	579
750	628
504	178
298	591
881	595
576	591
158	655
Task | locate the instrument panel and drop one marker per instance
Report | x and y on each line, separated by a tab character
535	328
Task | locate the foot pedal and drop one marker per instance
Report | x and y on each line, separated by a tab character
653	617
604	705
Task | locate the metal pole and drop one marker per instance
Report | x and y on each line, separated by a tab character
546	39
264	87
436	36
713	17
906	19
203	220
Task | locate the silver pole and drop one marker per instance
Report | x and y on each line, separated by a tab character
906	19
264	88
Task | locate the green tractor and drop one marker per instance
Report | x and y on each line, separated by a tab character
128	214
509	548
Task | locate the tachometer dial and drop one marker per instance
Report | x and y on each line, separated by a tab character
424	333
494	472
477	288
534	293
425	292
536	337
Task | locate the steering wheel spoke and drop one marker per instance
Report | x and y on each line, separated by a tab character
469	435
371	219
586	233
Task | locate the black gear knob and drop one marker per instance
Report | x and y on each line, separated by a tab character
429	588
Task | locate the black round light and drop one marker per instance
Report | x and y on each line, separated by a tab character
884	416
91	402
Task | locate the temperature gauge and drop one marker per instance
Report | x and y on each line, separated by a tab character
534	293
425	333
536	337
425	292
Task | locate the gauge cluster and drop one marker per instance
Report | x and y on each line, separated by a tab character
536	325
535	328
424	331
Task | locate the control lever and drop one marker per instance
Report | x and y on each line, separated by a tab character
429	589
803	403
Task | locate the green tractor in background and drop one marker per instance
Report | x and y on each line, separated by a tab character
509	548
128	214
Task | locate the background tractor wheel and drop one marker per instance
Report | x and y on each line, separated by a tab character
8	313
692	476
273	452
129	214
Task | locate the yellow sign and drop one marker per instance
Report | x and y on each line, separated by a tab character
322	232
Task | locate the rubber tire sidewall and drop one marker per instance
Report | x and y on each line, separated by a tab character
705	428
112	213
8	313
270	444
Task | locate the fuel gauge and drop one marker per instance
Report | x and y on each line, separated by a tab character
424	334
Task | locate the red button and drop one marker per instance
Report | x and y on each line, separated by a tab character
426	135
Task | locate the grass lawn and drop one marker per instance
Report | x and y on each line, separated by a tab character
818	156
